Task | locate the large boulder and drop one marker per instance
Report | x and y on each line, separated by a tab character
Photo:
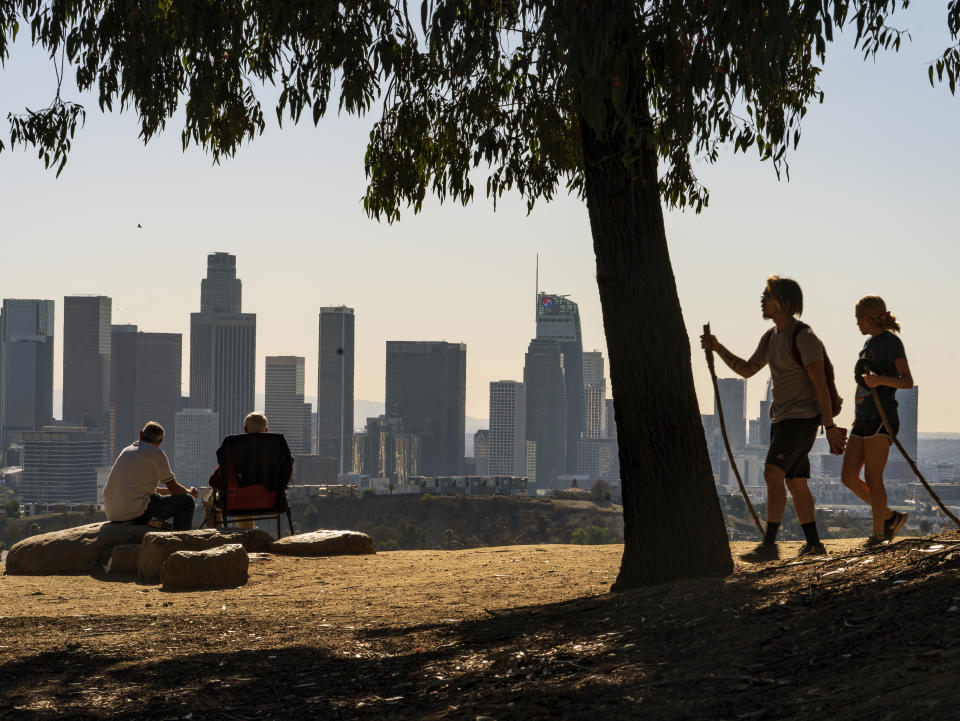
324	543
157	547
123	560
81	549
220	567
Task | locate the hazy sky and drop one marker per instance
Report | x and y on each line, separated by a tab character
872	207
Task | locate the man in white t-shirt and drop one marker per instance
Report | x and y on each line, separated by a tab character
142	487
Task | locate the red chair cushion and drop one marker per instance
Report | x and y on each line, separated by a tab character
251	498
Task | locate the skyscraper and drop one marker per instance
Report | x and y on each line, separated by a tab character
335	362
508	428
198	437
426	388
146	385
907	409
595	395
26	369
733	397
558	318
908	402
221	290
86	361
481	451
223	344
543	377
283	400
60	464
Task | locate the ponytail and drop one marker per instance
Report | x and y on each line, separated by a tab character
873	307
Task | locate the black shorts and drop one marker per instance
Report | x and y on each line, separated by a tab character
790	444
870	427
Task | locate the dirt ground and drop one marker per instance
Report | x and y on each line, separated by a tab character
525	632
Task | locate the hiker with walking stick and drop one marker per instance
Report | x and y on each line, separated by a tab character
804	399
881	368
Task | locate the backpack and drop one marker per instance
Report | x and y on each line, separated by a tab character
835	400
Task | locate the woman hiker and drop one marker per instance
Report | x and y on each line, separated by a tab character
881	369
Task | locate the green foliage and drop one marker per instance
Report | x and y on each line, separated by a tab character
368	493
34	529
506	87
594	535
12	508
600	492
406	535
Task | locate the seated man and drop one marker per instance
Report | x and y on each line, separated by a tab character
265	459
255	422
142	487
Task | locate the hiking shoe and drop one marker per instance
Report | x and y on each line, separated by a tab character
892	525
763	552
811	549
874	542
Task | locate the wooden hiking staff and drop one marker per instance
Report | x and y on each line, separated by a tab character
913	465
723	431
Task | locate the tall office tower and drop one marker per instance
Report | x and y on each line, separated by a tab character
223	344
146	370
86	361
335	362
508	428
221	290
559	319
358	453
595	395
764	430
391	452
481	451
60	464
26	369
611	428
599	460
733	397
907	407
427	389
543	376
198	437
283	400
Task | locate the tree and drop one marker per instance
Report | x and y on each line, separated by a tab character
611	99
12	508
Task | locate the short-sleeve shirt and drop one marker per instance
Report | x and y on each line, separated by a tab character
879	354
135	475
794	395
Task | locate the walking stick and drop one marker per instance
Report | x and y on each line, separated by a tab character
910	461
723	431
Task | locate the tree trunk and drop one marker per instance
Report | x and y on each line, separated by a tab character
673	526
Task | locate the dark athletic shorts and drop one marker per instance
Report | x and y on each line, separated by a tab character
873	427
790	444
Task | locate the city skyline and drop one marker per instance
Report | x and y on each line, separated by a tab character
858	182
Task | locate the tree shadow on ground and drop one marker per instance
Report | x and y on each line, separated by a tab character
875	639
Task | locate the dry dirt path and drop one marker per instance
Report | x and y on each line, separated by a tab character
526	632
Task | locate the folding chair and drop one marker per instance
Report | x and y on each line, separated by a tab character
255	469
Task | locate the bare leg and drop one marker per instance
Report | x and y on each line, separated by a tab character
776	492
853	461
802	499
876	450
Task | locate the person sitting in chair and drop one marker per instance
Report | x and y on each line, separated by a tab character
141	487
255	422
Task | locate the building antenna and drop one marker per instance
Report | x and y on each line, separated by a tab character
537	296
